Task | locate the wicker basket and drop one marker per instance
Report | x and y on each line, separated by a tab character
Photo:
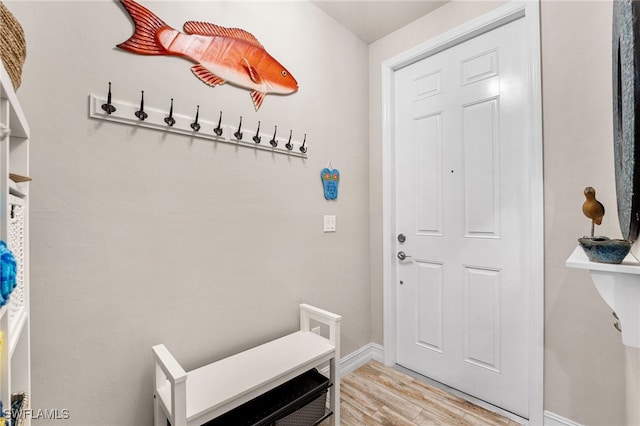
16	243
13	47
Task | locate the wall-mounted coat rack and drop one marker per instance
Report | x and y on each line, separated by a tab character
166	120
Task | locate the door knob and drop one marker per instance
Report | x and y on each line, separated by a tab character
402	255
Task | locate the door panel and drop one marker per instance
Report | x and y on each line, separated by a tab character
482	314
429	305
428	182
461	174
480	167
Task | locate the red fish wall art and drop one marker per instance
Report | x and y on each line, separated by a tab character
221	54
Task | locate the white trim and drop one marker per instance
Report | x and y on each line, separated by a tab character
517	9
552	419
358	358
354	360
536	244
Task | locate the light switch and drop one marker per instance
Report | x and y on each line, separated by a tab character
329	223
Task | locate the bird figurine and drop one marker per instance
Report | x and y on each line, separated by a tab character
592	208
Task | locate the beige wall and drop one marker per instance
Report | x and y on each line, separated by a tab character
140	237
584	359
590	377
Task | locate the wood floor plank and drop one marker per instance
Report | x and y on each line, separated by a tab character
367	385
416	395
359	398
350	415
376	395
389	417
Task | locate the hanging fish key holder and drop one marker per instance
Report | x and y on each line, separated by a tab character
140	113
195	125
108	107
238	133
218	129
274	142
170	120
257	138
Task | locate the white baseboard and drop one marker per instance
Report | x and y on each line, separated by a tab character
552	419
354	360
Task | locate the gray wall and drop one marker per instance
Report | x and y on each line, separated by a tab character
140	237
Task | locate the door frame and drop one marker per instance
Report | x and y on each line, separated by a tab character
517	9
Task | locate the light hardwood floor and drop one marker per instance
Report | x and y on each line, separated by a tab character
377	395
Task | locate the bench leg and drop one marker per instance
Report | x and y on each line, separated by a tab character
334	393
159	419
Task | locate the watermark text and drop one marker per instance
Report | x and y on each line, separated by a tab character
38	414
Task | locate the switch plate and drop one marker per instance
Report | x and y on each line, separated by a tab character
329	223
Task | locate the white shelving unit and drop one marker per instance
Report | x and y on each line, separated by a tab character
15	356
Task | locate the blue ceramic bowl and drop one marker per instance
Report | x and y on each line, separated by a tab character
605	250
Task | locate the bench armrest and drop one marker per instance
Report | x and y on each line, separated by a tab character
168	369
308	313
172	370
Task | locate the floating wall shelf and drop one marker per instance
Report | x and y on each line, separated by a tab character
125	113
619	286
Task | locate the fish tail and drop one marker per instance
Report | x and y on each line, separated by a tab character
143	41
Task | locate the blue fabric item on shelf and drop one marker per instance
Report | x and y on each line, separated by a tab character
8	269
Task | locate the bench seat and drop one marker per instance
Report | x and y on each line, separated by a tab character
207	392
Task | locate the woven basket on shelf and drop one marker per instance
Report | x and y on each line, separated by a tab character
13	48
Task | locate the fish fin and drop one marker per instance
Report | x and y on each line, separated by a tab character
253	73
143	41
257	98
207	29
206	76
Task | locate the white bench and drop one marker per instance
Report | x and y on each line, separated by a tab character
200	395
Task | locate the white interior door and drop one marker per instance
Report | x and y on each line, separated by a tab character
462	204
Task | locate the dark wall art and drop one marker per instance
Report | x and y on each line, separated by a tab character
626	114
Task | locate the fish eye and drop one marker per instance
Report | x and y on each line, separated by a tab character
284	73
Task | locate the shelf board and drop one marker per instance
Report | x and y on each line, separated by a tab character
19	189
18	122
16	327
578	259
619	287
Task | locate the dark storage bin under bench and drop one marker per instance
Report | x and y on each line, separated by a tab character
298	402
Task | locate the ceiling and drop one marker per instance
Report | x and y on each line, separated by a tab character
372	20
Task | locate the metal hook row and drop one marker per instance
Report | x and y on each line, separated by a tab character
109	108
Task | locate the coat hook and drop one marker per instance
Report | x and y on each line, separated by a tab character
238	134
195	126
303	148
108	108
170	120
289	145
141	114
218	130
273	141
257	137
